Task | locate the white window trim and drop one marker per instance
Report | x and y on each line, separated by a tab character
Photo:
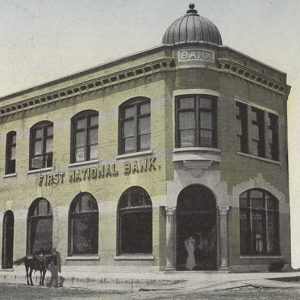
275	162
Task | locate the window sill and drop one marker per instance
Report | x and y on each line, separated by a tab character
39	170
10	175
135	154
202	154
134	257
261	256
275	162
78	258
83	163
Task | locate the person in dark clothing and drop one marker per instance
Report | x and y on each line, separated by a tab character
54	267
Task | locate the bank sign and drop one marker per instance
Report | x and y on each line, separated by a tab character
196	55
100	171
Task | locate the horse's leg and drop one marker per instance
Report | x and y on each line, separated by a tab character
27	277
43	278
30	276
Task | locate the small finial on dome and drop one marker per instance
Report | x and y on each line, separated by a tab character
192	10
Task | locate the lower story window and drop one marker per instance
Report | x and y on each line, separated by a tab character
135	222
259	226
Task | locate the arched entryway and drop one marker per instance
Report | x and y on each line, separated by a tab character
40	226
8	240
196	230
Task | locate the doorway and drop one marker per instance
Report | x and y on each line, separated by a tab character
8	240
196	230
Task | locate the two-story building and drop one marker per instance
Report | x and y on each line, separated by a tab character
174	158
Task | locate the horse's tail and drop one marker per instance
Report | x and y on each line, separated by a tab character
20	261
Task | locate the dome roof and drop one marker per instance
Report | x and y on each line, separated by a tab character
192	28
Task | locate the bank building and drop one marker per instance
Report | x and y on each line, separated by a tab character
170	159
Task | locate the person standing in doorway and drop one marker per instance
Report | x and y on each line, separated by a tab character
54	267
189	244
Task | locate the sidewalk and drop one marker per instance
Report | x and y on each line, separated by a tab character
164	281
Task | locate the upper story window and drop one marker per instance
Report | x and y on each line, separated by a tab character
135	125
10	166
41	145
84	136
243	128
196	121
258	137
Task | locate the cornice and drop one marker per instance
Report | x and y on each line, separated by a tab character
94	85
237	69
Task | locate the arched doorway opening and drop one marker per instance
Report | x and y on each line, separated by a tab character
8	240
196	230
39	227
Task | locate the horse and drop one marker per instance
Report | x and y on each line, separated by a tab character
37	262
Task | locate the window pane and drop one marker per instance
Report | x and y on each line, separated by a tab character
13	153
38	133
206	138
13	139
49	145
50	131
38	148
128	128
86	203
245	236
41	234
129	112
186	120
94	121
80	138
49	157
187	138
144	125
145	108
81	123
80	154
129	144
37	162
137	197
145	142
272	204
255	132
93	136
43	207
85	234
206	120
205	103
186	103
258	231
124	201
94	151
272	234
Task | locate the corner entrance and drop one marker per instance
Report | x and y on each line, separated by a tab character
196	233
8	240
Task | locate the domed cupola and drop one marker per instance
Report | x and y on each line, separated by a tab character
192	28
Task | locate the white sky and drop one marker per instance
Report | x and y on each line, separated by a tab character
43	40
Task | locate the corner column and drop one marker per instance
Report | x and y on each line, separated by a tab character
171	238
223	213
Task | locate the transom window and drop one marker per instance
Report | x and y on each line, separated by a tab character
10	166
83	225
40	223
262	130
135	127
196	121
41	145
259	226
135	222
84	136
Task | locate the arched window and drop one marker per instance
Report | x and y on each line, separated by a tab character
10	166
83	225
135	222
8	240
84	136
259	226
40	225
41	145
135	125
